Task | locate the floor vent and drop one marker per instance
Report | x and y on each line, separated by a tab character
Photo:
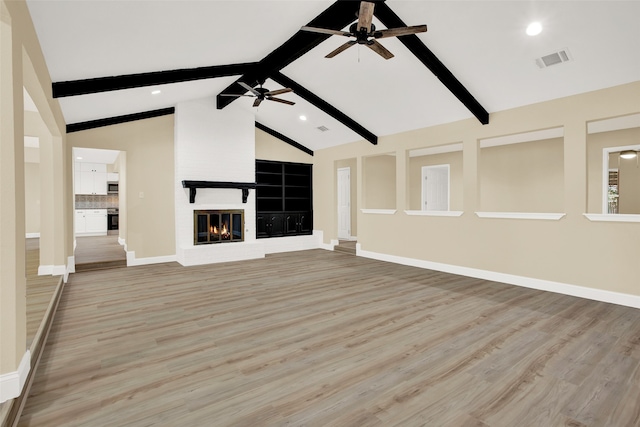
322	128
554	58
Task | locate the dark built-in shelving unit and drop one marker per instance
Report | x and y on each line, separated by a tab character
284	204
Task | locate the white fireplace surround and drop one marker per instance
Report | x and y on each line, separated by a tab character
219	145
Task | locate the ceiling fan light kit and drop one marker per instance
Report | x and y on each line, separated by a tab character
365	33
628	154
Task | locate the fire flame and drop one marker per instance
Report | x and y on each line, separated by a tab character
224	232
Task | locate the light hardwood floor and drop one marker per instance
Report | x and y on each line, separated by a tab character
319	338
99	252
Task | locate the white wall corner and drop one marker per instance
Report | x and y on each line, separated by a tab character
133	261
122	242
45	270
11	383
59	270
71	267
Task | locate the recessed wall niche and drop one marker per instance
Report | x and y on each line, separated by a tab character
613	181
435	178
379	181
523	172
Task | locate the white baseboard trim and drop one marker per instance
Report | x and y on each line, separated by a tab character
122	242
329	246
133	261
527	282
51	270
45	270
11	383
71	267
33	235
275	245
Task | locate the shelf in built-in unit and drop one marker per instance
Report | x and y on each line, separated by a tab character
613	217
434	213
522	215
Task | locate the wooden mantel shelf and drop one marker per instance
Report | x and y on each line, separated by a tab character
194	185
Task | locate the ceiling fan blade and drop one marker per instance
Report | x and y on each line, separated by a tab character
283	101
380	50
257	102
341	48
249	88
402	31
279	91
236	95
326	31
365	15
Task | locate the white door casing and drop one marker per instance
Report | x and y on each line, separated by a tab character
435	188
344	203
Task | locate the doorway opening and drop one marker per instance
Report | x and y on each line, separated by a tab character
97	204
344	203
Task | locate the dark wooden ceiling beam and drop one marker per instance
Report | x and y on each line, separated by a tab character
284	138
336	16
388	17
129	81
92	124
324	106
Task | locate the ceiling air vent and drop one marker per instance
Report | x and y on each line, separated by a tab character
322	128
554	58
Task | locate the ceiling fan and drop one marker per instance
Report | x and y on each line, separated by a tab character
261	94
365	32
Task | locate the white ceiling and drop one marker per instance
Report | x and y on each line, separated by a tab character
483	43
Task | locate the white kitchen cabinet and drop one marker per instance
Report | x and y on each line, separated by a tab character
80	221
113	176
91	178
91	222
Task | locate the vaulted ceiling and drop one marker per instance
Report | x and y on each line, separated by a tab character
94	47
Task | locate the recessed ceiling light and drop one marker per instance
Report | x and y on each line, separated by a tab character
534	29
156	92
303	118
78	158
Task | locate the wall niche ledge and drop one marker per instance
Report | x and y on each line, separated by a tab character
612	217
434	213
522	215
379	211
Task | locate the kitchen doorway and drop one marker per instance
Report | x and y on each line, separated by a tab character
97	213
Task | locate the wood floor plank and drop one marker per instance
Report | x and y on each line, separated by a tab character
318	338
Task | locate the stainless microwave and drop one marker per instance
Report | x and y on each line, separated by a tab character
112	187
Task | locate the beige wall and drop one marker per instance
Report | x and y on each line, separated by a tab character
524	177
22	66
572	250
32	197
271	148
454	160
147	187
379	182
595	144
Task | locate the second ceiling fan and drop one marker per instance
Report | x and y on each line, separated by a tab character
365	32
262	94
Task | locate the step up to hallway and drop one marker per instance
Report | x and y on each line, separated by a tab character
100	265
346	246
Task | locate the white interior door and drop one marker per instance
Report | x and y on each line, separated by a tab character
435	188
344	203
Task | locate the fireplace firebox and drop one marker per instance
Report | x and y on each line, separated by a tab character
218	226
